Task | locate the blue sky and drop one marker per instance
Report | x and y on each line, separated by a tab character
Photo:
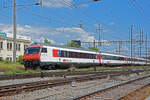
58	20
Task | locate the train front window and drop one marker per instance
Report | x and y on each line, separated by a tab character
33	50
44	50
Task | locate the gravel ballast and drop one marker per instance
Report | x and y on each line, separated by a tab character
67	92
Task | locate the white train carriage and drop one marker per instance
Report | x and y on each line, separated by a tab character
63	57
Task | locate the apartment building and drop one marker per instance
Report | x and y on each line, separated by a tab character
6	45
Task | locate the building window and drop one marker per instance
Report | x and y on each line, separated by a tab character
25	46
9	46
7	59
18	47
10	59
1	45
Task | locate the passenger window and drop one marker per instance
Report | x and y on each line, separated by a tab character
58	53
44	50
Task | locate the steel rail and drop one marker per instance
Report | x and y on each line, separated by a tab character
27	87
84	97
137	90
51	74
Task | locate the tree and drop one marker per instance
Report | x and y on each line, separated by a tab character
46	41
20	59
73	44
93	48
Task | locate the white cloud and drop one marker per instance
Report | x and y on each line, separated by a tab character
56	3
106	43
112	23
62	3
125	48
27	26
106	30
55	35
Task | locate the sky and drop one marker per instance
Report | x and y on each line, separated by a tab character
59	20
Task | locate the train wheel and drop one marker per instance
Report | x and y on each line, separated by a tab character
41	67
38	67
53	67
26	67
34	67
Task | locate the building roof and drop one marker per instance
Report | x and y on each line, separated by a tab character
9	36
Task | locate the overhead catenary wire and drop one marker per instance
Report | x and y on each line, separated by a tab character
3	14
35	13
74	6
38	15
45	17
42	16
86	14
49	18
83	12
62	21
140	9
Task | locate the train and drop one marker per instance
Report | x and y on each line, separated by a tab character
52	57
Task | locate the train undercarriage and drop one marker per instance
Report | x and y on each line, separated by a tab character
51	65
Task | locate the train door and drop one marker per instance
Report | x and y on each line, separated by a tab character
126	61
44	56
100	58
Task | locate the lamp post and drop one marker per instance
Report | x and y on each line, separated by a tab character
15	26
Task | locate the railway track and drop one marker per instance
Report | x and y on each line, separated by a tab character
51	74
48	74
106	90
27	87
141	93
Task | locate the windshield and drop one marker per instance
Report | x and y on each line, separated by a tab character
33	50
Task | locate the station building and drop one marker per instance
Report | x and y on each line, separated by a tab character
6	45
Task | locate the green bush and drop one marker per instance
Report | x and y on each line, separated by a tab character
93	48
20	59
6	61
1	59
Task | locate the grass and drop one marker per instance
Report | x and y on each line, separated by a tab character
101	68
22	71
10	66
17	68
14	68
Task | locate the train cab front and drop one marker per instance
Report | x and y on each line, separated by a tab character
31	57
